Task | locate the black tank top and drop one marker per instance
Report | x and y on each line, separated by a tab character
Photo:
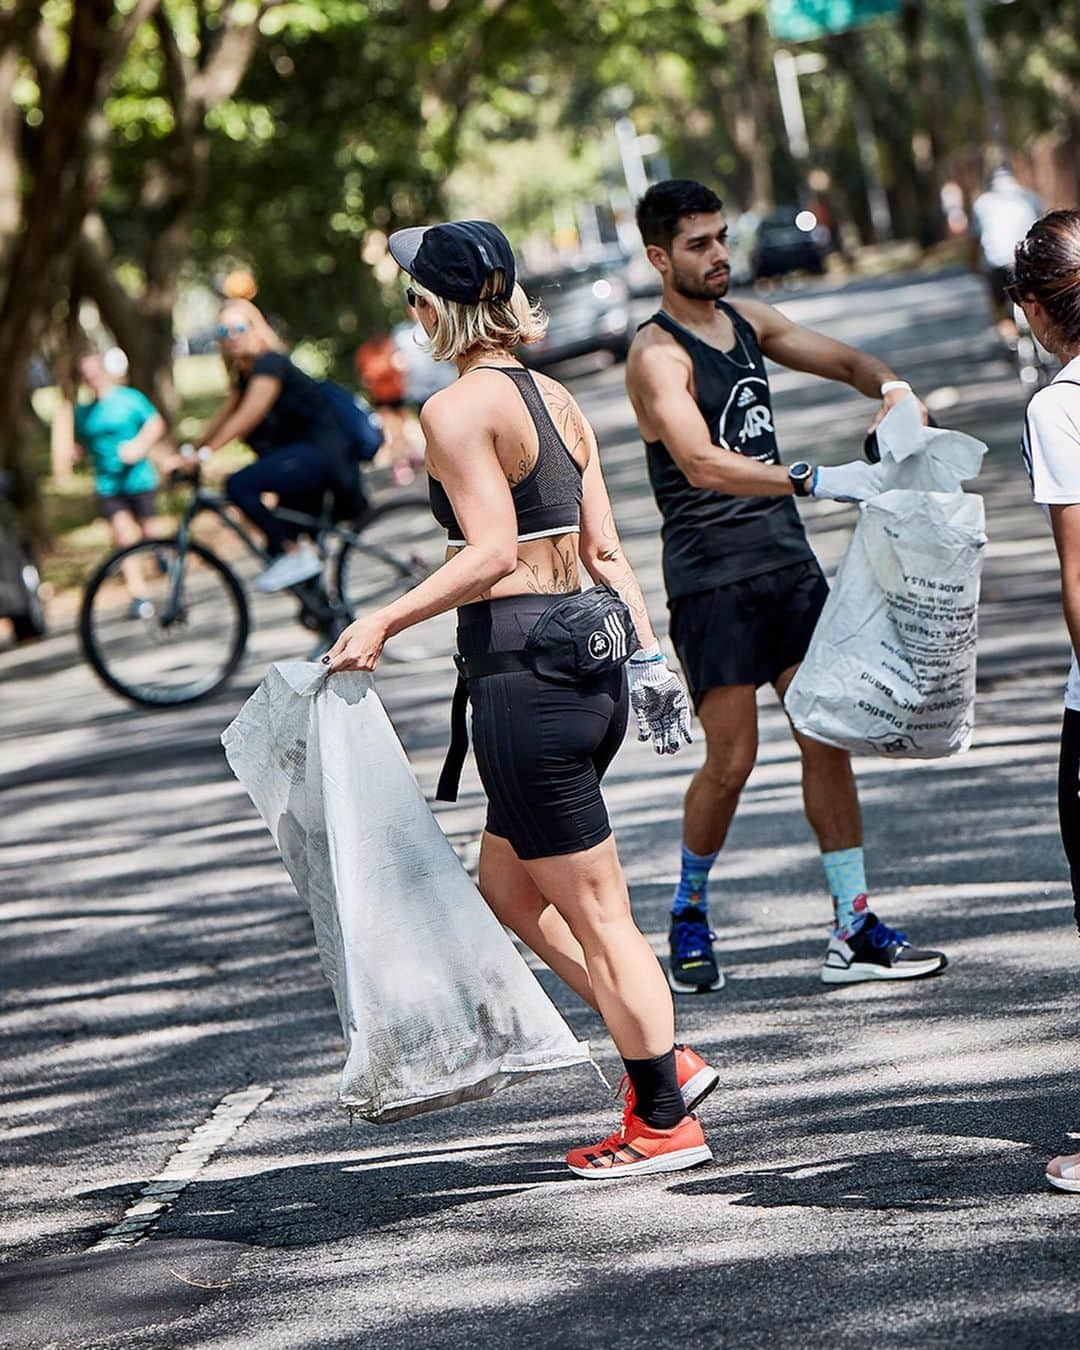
548	499
711	538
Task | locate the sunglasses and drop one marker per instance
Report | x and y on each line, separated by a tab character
411	298
224	330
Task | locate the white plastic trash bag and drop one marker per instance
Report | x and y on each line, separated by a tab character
891	665
435	1003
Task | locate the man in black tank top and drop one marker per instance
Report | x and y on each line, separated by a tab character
744	588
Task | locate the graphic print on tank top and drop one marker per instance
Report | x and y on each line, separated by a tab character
713	538
746	424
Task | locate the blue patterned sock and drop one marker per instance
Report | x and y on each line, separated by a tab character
845	873
693	887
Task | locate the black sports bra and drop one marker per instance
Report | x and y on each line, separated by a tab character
548	499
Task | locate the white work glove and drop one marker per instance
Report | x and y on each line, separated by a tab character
658	700
854	482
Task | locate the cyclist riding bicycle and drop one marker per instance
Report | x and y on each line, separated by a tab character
1000	217
289	421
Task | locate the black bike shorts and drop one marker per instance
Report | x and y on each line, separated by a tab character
142	505
541	748
750	631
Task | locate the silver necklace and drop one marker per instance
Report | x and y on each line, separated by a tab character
747	363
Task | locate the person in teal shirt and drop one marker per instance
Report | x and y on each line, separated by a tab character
117	429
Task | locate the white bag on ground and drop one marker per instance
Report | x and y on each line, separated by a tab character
435	1003
891	666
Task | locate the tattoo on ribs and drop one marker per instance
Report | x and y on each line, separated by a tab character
522	469
568	419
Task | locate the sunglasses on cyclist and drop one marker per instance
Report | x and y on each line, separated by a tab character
224	330
411	298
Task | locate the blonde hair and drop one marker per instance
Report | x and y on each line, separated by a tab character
490	325
259	325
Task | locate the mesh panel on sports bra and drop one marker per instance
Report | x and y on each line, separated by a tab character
547	500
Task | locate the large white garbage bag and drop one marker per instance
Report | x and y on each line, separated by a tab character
435	1003
891	665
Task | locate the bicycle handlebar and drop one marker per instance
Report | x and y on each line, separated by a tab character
190	473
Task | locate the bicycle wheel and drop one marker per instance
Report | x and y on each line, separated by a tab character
184	637
399	545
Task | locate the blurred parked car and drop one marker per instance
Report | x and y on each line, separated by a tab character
641	276
789	240
20	585
742	235
588	310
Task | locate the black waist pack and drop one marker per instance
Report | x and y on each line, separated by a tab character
581	636
577	638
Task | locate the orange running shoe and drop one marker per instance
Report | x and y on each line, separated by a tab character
696	1079
638	1150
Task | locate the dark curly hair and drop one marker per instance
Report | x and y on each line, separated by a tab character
1047	269
665	204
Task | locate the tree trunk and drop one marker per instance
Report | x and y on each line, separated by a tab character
902	179
146	337
748	108
143	324
164	264
925	148
10	119
41	257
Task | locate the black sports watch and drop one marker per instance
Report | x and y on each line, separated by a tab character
801	477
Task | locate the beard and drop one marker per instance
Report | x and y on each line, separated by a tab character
707	288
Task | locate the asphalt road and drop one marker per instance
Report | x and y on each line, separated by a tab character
879	1149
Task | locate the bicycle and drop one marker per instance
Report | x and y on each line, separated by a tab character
190	631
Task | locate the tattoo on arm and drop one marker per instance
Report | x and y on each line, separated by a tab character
628	588
625	582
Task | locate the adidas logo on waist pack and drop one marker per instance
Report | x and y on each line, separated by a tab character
609	641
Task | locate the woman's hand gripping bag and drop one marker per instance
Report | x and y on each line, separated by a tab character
436	1005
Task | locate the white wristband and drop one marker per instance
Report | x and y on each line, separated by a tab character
890	385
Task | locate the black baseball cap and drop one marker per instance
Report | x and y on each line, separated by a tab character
455	260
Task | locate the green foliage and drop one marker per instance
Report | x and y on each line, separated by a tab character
357	116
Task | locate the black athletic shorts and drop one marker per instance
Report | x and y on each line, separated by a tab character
750	631
541	748
142	505
997	278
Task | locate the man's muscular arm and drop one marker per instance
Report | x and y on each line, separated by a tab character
658	382
790	344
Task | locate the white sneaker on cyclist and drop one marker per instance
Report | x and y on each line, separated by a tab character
290	569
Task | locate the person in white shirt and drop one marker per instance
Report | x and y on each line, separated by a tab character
1046	283
1000	217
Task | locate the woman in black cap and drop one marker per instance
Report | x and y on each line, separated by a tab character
515	477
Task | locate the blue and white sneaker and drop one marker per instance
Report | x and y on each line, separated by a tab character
877	952
692	968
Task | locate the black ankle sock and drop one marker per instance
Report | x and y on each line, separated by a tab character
656	1088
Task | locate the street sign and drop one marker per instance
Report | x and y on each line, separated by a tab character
803	20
